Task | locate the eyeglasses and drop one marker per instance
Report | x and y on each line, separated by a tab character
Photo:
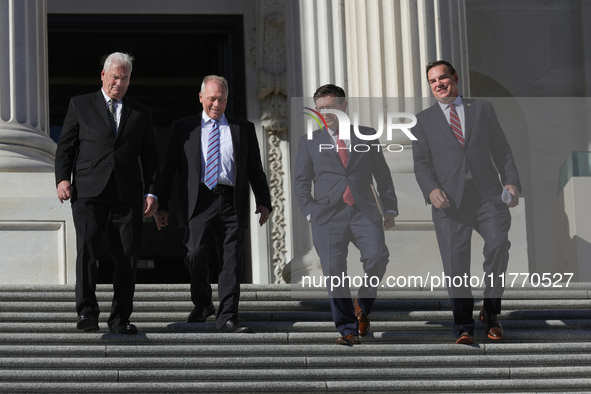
330	106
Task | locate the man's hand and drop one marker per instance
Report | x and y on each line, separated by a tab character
64	191
264	211
389	221
515	192
161	219
439	199
150	206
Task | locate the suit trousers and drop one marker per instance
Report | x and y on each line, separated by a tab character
331	241
454	235
215	221
124	222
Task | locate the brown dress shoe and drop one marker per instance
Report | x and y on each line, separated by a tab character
348	340
363	319
465	339
494	330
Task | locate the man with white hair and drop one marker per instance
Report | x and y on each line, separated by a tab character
106	163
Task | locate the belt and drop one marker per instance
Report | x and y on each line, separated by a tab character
220	189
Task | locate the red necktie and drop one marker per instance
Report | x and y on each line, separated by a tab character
456	126
344	155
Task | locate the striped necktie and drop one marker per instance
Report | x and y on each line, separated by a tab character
454	122
213	156
113	117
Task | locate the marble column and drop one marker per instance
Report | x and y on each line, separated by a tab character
320	58
389	44
25	145
36	232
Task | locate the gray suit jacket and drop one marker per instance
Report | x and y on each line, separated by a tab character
440	161
330	178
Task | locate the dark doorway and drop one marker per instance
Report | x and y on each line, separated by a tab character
172	55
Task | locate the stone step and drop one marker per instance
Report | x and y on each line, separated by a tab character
256	350
303	316
189	375
245	295
475	386
128	358
329	337
298	305
259	325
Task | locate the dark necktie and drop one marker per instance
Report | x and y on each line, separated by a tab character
113	117
456	126
344	155
213	155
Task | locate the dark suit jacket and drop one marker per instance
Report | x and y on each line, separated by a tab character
87	149
440	161
330	178
184	154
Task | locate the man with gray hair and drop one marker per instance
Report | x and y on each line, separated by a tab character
106	163
216	156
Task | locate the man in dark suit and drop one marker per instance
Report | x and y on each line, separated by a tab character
344	209
456	140
217	156
104	137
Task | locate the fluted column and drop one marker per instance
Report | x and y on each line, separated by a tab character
323	59
389	44
25	145
322	24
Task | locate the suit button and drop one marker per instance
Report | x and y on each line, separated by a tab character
110	164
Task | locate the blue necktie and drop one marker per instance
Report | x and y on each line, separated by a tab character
213	156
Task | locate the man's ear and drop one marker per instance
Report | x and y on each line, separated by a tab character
344	105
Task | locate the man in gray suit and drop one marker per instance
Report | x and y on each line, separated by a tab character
459	144
343	209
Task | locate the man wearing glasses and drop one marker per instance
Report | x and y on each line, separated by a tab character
343	209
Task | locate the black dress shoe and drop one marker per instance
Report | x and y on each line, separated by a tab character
200	314
232	326
87	323
128	329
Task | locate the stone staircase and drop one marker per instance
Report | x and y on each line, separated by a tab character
409	349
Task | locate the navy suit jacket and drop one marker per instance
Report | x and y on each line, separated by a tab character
184	155
440	161
87	149
325	170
